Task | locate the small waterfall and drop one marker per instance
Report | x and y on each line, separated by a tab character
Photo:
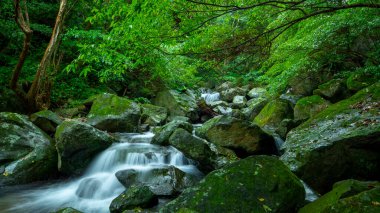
210	96
95	190
310	194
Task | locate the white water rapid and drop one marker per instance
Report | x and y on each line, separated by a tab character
94	191
210	96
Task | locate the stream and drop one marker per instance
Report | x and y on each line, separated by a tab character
94	191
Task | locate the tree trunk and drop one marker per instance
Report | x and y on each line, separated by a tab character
38	96
23	23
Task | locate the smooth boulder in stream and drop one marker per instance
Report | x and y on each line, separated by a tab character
27	154
77	143
255	184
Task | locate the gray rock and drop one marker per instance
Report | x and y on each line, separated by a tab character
114	114
258	93
27	154
77	143
163	133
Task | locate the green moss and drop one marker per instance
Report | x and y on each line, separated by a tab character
273	113
363	78
109	104
341	190
254	184
309	106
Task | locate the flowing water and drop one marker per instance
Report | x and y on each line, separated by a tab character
94	191
210	96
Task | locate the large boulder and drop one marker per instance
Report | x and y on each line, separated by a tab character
272	114
235	134
193	147
229	94
114	114
153	115
341	142
77	143
178	104
46	120
309	106
163	181
134	197
27	154
163	133
349	196
255	184
10	102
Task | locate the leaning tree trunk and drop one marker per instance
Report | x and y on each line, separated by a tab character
38	96
23	23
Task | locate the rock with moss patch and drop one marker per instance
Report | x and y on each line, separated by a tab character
193	147
27	154
229	94
255	184
332	90
309	106
77	143
349	196
114	114
46	120
178	103
338	143
254	107
235	134
10	102
359	80
239	101
272	114
163	133
163	181
134	197
68	210
258	93
153	115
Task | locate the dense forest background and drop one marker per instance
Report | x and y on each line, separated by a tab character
137	47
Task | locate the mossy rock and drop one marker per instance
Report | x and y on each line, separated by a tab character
163	133
27	154
46	120
114	114
254	108
258	93
272	114
229	94
338	143
359	80
333	90
255	184
153	115
348	196
77	144
68	210
134	197
309	106
178	103
235	134
193	147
